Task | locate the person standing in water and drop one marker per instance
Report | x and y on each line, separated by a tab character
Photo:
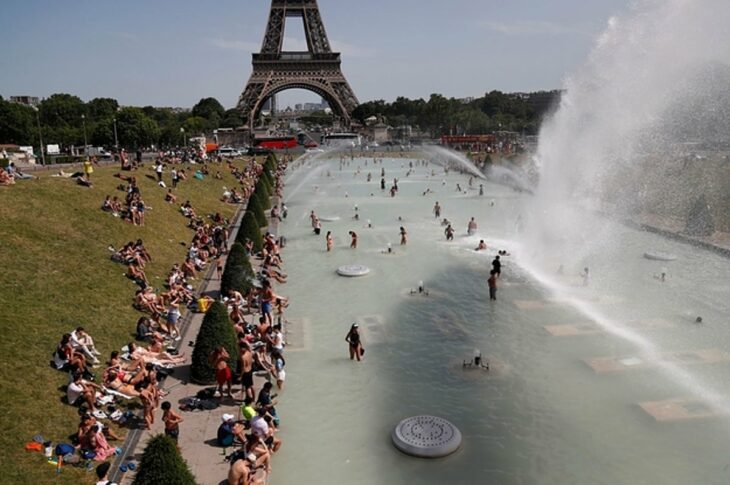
472	227
353	242
437	210
492	283
329	240
497	266
585	275
481	189
403	236
353	338
449	232
382	183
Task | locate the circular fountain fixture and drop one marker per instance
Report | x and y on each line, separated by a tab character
426	437
329	218
659	256
352	270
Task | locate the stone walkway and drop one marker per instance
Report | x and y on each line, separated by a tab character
718	242
198	431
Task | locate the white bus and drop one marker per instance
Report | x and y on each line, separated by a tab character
342	140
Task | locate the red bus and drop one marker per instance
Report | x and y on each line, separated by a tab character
276	142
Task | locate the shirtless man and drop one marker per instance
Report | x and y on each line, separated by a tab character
437	210
219	361
482	246
472	227
403	236
246	356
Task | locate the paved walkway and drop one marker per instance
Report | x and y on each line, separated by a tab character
718	242
198	431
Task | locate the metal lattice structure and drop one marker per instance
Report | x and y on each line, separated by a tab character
317	69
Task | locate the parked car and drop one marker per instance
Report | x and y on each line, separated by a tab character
229	152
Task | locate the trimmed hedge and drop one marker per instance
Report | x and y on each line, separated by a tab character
161	463
250	229
216	330
238	271
254	205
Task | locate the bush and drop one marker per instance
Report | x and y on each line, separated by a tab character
250	229
216	330
263	193
238	272
254	205
161	463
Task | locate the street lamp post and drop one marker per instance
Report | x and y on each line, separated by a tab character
116	140
40	135
86	143
182	130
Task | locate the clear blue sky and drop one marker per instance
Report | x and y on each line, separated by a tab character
173	52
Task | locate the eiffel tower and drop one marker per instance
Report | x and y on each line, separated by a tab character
317	69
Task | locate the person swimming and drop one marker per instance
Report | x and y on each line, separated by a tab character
482	246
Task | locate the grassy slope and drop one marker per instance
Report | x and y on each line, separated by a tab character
56	274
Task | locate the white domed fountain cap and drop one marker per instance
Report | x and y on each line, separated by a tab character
353	270
426	436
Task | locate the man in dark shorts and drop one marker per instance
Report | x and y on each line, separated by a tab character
172	421
497	266
492	282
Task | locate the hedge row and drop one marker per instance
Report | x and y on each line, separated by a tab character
238	271
215	331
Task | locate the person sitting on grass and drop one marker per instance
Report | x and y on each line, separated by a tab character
98	444
106	206
147	300
66	358
6	178
137	274
170	197
80	391
82	341
88	422
114	382
147	356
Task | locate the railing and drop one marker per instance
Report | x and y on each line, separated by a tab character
297	56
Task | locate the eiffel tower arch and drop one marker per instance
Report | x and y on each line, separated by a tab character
317	69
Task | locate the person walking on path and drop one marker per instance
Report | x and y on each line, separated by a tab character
172	421
492	282
355	344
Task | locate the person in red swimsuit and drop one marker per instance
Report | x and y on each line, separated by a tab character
223	375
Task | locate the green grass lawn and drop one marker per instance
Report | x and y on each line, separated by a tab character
56	275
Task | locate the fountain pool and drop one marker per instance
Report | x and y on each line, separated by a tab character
607	383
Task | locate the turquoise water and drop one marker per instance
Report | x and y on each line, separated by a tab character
542	415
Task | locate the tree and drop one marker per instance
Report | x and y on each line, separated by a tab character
135	129
250	230
102	108
254	206
215	331
195	125
161	463
238	272
17	124
207	108
232	119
